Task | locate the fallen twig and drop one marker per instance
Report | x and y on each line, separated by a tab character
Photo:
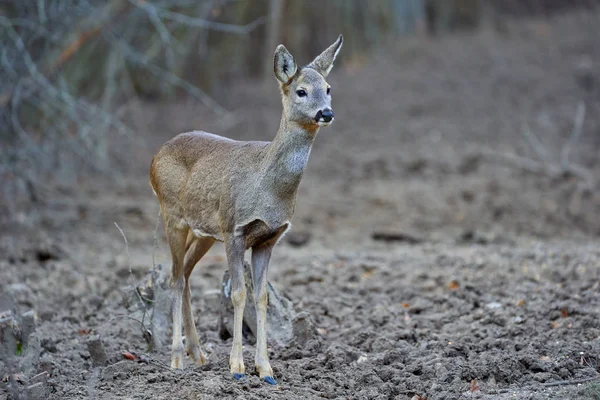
570	382
391	236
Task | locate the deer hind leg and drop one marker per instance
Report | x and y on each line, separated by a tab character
260	263
176	237
197	248
235	247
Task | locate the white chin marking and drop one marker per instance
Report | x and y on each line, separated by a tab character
323	123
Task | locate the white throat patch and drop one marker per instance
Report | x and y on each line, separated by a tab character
297	160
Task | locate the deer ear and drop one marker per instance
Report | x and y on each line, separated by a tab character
284	64
324	62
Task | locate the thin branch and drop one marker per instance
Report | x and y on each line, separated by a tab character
162	30
535	144
41	80
201	23
120	316
524	163
571	382
139	60
141	298
64	56
545	166
577	128
536	167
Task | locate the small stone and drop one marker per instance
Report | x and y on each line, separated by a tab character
361	359
22	294
97	352
303	328
542	376
27	326
9	335
298	239
493	305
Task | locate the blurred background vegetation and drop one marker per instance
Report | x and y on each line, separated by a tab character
68	68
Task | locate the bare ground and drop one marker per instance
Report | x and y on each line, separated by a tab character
491	290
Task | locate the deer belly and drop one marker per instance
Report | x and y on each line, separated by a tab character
206	230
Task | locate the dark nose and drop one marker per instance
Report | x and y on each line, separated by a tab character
326	115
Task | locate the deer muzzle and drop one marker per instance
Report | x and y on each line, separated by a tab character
325	115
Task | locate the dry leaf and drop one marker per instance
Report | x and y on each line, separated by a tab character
128	355
563	312
83	331
322	331
520	302
474	385
405	305
555	324
453	285
367	274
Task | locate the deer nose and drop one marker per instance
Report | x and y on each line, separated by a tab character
325	115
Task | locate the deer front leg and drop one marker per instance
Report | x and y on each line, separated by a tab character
260	264
235	247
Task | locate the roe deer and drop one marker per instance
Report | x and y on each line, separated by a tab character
242	193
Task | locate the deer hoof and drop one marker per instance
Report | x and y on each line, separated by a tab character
238	377
270	380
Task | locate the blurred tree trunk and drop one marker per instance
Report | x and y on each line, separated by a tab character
273	35
447	15
409	16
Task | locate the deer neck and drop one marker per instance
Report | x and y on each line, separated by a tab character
287	156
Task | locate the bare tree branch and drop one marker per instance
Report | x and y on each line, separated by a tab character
201	23
546	166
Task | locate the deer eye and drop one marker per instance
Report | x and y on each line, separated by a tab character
301	93
329	90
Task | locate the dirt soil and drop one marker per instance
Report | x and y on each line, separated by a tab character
486	285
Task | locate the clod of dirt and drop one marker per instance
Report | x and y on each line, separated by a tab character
298	239
22	294
470	236
10	336
97	352
303	328
280	312
391	236
27	326
15	329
